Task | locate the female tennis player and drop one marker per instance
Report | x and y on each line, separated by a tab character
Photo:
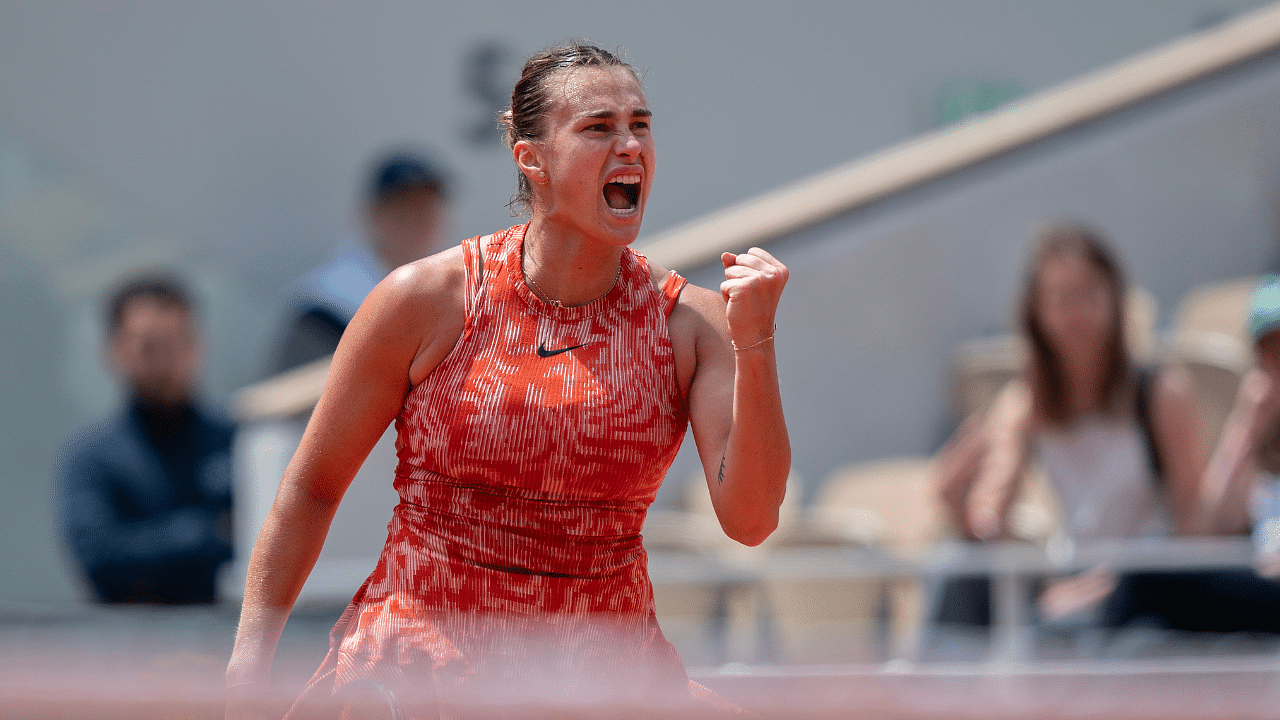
541	379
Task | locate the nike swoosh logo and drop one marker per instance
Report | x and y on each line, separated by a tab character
544	352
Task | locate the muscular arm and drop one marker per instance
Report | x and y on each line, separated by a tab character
403	329
735	406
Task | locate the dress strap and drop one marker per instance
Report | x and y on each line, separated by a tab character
493	245
671	292
473	260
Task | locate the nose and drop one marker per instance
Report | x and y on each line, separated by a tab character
627	145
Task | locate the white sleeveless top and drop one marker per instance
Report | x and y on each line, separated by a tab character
1101	472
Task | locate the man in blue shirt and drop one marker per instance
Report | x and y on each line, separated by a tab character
145	495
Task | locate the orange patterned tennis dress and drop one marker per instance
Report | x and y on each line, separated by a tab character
513	568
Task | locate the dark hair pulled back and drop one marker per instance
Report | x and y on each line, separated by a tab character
525	118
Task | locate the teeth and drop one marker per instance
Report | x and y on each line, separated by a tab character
623	190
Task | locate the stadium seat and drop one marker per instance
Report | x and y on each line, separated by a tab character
1217	308
882	507
1216	363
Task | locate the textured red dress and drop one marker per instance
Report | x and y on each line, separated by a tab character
513	569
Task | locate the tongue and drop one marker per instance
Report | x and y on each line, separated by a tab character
616	197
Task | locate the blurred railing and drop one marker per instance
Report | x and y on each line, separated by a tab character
123	662
830	576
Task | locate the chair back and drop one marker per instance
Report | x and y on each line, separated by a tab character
1218	308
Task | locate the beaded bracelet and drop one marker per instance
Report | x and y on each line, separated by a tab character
761	342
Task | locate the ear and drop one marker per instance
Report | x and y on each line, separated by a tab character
530	162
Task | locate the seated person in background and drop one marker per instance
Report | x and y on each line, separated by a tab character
1240	487
145	495
1237	491
403	219
1121	445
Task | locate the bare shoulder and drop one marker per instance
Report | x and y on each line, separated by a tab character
416	312
425	283
698	319
706	304
697	310
697	327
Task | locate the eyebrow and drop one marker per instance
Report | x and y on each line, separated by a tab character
609	114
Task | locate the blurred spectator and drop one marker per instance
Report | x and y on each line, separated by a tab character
1238	492
1240	486
403	219
145	495
1120	444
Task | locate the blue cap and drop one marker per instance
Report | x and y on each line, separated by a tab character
1264	307
404	171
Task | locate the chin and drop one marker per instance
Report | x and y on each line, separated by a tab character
624	234
625	226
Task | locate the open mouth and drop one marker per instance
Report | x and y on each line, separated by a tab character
623	194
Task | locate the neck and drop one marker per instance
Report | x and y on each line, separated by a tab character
162	418
1084	374
568	267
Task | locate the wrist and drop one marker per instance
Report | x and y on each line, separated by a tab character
758	343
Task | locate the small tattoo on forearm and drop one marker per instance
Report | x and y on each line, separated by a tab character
720	475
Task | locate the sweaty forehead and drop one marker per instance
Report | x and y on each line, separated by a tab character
591	89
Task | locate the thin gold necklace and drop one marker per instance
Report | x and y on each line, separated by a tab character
547	298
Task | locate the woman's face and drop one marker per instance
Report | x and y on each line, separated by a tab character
598	154
1075	304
